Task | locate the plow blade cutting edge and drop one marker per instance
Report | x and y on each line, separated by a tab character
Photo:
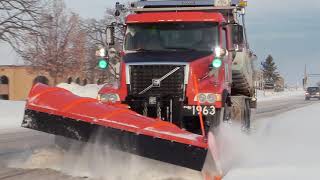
57	111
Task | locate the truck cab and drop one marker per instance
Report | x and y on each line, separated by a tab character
177	64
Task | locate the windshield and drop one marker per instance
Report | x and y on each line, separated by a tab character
171	36
313	89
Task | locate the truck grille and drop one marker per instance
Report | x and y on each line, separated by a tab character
141	77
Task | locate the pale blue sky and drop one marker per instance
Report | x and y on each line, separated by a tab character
286	29
289	31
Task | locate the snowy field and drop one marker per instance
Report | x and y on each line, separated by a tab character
90	90
11	114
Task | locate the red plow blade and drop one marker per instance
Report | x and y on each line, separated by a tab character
58	111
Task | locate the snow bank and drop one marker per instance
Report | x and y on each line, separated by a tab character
11	114
90	90
270	96
284	147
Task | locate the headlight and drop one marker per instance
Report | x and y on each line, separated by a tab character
318	93
108	97
101	52
220	52
211	98
207	97
202	98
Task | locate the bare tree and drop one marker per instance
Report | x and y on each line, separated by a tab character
96	33
96	29
18	17
54	48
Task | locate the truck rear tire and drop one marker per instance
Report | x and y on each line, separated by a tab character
241	111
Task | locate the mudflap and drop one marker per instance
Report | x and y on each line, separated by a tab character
59	112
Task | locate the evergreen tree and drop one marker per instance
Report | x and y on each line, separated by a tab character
269	70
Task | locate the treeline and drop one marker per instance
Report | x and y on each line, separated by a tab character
49	37
270	75
270	70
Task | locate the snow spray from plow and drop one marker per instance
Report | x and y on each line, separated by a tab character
58	111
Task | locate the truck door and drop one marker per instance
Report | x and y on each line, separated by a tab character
225	43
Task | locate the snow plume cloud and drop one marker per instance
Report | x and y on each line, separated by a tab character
283	147
101	162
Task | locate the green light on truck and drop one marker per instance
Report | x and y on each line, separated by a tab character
217	63
103	64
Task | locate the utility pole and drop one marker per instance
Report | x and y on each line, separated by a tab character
305	78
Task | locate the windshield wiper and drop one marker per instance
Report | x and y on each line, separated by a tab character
166	49
181	48
141	49
147	50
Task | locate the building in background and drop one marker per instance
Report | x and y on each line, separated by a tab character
259	80
280	84
16	81
262	84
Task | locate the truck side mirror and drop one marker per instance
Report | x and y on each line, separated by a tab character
237	36
110	35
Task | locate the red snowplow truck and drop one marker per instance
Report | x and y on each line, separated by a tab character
185	69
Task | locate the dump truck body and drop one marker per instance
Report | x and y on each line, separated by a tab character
242	74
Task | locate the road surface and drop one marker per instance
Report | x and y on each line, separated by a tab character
18	146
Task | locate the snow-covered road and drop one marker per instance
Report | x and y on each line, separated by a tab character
283	146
